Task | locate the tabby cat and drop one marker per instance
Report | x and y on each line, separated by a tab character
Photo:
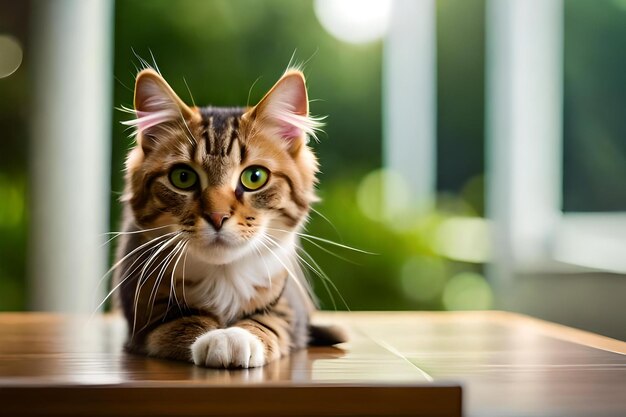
213	201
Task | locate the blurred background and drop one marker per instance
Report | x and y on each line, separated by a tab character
476	147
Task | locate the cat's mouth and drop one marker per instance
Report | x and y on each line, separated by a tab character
220	240
218	248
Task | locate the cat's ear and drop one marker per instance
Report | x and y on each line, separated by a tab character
155	103
284	111
153	95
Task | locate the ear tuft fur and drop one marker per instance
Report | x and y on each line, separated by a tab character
284	110
155	102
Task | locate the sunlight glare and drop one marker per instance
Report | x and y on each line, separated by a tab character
354	21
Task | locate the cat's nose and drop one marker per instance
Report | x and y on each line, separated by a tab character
217	219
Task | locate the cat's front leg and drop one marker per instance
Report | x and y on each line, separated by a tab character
252	342
174	339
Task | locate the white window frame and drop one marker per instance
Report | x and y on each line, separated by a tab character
524	144
410	103
531	233
70	147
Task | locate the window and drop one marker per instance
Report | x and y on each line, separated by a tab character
534	199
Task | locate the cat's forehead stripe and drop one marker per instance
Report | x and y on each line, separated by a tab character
220	128
198	152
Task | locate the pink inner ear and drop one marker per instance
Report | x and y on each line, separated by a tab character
286	108
290	132
146	120
153	105
291	125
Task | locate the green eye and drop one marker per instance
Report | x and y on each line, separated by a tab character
183	177
253	178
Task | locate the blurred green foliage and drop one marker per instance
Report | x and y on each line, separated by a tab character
402	269
14	107
220	48
13	242
229	52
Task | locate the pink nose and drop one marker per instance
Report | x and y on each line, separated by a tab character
217	219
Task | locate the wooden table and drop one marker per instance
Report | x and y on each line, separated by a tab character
396	364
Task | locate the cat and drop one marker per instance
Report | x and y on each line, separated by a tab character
214	198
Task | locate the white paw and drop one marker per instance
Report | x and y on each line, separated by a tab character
233	347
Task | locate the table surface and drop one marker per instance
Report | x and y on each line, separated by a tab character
405	363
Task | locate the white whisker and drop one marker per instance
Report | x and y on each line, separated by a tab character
193	102
295	278
157	282
327	220
118	234
330	281
172	281
156	67
312	242
190	137
317	269
184	267
141	281
118	263
319	273
320	239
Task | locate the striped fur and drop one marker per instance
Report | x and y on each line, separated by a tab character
227	296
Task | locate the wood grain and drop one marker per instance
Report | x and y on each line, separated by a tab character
396	364
73	366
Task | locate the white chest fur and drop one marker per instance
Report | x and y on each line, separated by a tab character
225	289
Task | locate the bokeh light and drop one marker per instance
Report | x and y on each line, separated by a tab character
464	239
423	278
10	55
354	21
374	189
467	291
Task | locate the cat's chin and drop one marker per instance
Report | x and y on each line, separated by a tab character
219	251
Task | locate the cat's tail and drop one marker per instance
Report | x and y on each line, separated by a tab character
326	335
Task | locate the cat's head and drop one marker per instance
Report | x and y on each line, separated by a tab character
233	180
